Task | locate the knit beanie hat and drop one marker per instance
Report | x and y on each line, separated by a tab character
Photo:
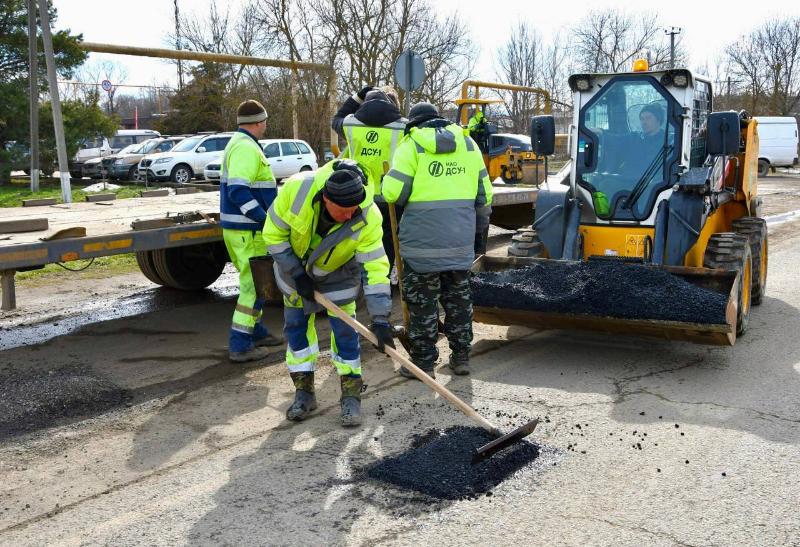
250	111
344	188
421	113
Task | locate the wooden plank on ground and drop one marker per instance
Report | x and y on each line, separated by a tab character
92	198
23	225
39	202
154	193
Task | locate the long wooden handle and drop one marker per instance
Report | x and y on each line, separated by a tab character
415	370
398	261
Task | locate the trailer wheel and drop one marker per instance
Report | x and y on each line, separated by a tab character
145	261
190	268
731	251
756	231
526	243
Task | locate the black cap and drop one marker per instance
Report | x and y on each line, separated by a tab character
422	112
344	188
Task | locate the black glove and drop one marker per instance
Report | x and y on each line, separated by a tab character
480	242
364	90
305	285
384	333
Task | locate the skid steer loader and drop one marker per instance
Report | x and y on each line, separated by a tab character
656	178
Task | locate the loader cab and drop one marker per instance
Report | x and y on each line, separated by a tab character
633	134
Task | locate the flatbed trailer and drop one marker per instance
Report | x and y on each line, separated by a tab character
177	238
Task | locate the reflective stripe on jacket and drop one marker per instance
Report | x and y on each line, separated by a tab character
371	146
439	177
246	186
349	256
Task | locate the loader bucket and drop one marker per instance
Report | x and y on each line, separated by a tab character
718	281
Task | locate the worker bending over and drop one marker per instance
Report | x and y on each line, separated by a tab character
439	177
246	189
324	233
372	125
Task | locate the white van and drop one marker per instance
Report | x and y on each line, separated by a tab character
777	142
98	147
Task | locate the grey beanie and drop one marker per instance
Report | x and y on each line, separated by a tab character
344	188
250	111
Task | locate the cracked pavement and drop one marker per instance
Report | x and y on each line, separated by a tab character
659	443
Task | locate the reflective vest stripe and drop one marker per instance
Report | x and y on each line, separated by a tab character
302	194
250	205
278	221
442	204
241	219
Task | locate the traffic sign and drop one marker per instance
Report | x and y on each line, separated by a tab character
106	85
409	70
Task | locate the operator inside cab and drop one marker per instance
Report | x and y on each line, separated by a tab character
477	129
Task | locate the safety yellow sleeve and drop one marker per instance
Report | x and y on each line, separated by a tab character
397	183
277	231
374	268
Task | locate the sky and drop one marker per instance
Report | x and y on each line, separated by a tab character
707	26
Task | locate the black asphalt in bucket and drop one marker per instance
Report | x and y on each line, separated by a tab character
609	289
439	464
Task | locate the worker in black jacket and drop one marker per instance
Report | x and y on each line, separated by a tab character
372	125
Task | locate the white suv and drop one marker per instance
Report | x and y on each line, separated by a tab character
288	156
186	160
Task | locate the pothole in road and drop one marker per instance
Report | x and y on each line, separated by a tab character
439	464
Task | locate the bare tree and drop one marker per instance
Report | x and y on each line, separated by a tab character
521	62
609	41
177	21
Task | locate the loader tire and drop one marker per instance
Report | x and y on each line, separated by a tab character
145	261
526	243
192	267
756	231
731	251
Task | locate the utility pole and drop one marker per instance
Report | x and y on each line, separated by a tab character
58	121
33	87
178	42
672	31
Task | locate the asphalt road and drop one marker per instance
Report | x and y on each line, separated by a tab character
649	443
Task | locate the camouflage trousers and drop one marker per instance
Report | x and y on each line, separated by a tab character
422	293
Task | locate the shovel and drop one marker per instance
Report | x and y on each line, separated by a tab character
502	441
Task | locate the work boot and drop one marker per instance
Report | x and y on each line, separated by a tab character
405	373
304	399
253	354
269	340
351	400
459	364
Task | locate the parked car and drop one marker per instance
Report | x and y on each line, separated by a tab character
125	166
288	156
213	170
186	160
94	168
99	146
777	143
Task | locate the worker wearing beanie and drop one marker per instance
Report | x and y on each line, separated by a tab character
324	233
439	177
371	123
247	189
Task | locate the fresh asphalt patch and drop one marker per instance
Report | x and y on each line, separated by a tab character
607	289
36	399
439	464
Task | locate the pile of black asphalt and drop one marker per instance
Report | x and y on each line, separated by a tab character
33	399
439	464
601	288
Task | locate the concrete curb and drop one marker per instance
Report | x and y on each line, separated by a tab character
774	220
